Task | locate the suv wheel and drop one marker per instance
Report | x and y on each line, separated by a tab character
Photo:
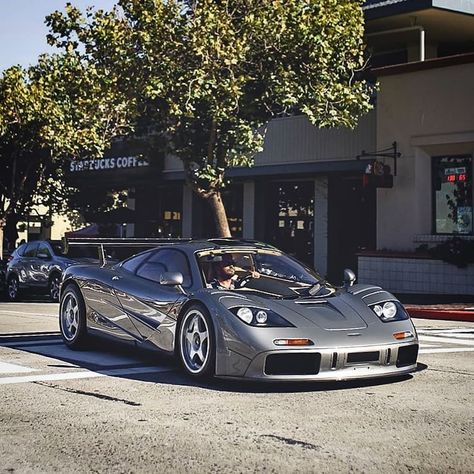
13	288
54	283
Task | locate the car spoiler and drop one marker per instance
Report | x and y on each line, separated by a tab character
103	243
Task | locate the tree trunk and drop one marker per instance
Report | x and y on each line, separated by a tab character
219	214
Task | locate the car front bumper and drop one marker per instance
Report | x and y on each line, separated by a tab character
333	364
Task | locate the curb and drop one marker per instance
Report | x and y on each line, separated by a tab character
450	315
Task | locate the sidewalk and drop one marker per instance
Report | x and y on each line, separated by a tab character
454	311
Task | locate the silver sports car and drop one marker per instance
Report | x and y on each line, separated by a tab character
240	309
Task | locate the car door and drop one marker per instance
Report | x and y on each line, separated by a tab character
27	264
149	304
42	263
107	313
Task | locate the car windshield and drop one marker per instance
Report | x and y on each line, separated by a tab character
267	272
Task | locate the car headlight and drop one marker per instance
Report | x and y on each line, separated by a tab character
260	317
389	311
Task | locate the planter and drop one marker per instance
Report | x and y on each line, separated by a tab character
412	273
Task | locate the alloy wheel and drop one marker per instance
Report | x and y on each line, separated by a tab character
13	287
54	288
194	341
70	316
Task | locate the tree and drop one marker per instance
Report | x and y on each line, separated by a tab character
212	73
60	108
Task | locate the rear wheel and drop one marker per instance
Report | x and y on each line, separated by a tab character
53	287
13	288
196	342
72	317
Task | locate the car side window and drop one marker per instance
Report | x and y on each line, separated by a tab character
30	250
44	249
134	262
166	260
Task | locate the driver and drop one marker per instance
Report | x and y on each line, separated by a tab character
226	277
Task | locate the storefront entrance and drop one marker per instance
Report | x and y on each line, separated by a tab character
288	212
351	223
159	211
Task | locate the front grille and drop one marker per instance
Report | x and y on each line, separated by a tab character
407	355
292	364
363	357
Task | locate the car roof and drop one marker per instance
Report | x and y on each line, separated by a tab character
220	244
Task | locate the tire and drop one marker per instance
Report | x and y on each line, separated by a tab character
196	342
53	287
72	318
13	288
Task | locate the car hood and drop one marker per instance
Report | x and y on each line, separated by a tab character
341	311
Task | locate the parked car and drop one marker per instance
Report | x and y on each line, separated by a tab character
3	274
37	267
278	320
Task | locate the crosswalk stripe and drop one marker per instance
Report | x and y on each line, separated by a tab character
448	349
52	315
8	368
85	374
446	340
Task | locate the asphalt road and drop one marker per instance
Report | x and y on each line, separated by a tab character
111	409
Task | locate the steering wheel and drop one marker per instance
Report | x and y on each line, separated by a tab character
244	280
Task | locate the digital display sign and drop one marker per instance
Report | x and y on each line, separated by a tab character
455	175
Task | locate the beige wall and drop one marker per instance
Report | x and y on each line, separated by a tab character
295	140
428	113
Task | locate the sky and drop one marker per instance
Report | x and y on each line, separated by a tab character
22	29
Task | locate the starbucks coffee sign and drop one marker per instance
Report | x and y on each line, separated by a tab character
100	164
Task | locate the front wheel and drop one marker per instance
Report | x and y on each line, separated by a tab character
13	288
196	342
72	318
54	283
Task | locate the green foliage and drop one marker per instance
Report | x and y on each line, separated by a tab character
64	107
203	76
210	74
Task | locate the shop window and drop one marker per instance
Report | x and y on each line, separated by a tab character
289	218
452	195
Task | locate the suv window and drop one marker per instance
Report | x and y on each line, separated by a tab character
20	250
166	260
44	249
30	250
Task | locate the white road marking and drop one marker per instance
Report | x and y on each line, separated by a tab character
51	315
83	375
448	349
446	340
7	368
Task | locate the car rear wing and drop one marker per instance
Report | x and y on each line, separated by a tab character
113	249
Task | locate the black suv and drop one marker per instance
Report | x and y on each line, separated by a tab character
37	267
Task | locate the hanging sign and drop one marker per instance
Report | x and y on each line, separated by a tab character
378	175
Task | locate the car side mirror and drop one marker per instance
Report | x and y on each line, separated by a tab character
43	256
171	279
349	278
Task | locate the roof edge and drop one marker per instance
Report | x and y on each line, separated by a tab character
434	63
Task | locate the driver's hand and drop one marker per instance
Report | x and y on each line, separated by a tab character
254	274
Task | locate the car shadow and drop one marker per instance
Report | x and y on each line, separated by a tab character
244	386
108	356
